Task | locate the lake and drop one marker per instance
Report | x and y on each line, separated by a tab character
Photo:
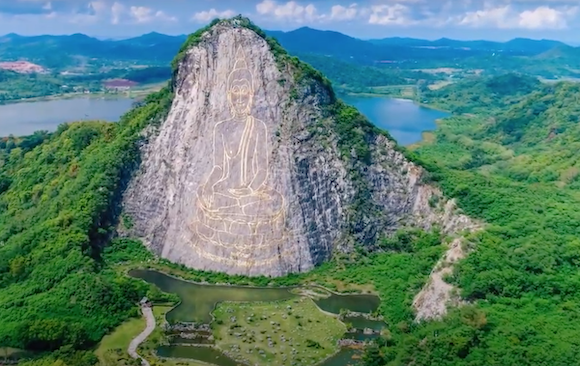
404	119
21	119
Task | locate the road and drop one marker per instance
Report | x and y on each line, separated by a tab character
148	314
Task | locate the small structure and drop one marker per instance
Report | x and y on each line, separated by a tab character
145	303
119	84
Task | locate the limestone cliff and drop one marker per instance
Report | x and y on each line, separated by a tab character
259	169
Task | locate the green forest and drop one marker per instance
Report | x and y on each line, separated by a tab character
508	167
506	154
15	86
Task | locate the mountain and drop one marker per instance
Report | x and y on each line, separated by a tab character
276	182
560	52
335	44
482	94
512	161
72	202
531	46
517	46
312	178
61	51
56	51
153	39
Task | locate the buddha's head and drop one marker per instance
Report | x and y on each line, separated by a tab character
240	88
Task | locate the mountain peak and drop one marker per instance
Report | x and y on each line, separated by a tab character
258	169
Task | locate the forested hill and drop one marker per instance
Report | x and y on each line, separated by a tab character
511	161
159	48
508	154
57	209
530	132
482	94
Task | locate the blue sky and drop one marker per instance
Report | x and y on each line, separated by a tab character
431	19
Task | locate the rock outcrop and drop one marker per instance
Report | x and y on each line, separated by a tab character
259	169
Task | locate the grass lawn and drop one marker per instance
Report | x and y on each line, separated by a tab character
13	353
112	350
113	347
339	286
147	348
292	332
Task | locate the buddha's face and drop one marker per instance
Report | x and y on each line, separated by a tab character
240	96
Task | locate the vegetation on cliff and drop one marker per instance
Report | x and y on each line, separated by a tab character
57	211
510	161
509	167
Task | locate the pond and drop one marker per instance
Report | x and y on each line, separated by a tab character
357	303
360	322
403	119
199	300
344	357
25	118
204	354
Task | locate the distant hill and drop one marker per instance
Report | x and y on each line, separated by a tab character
61	51
482	94
155	48
335	44
561	52
154	39
520	46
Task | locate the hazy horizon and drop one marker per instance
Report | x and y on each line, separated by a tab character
120	38
494	20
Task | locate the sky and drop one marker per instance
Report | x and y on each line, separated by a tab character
366	19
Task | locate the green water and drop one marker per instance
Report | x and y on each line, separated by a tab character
198	301
359	303
345	357
205	354
360	322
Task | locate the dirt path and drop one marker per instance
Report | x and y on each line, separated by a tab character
148	314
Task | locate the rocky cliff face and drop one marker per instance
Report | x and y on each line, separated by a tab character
258	169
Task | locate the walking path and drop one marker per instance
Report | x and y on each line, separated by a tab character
148	314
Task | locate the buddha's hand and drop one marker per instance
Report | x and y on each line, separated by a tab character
240	192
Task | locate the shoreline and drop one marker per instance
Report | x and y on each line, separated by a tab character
288	288
424	133
388	96
130	94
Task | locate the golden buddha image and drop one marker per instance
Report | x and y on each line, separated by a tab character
236	208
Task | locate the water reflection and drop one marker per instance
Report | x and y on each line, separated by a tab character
22	119
204	354
198	301
403	119
357	303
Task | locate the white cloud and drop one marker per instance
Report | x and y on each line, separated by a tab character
545	17
396	14
117	10
339	12
97	7
143	14
291	10
93	12
207	15
505	17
